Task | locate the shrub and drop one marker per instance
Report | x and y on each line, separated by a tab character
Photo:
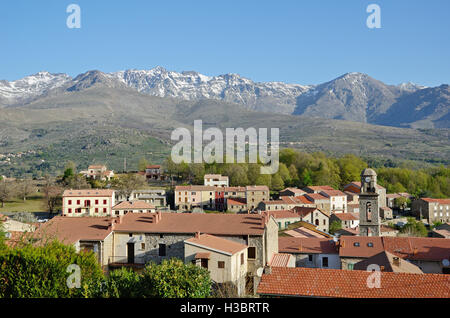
42	272
174	279
122	283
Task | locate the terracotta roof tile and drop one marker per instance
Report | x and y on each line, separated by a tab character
211	223
133	205
216	243
306	245
317	282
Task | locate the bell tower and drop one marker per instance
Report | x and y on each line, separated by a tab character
369	213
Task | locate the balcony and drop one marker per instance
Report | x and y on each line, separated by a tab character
137	262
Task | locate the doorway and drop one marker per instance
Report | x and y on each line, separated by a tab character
130	253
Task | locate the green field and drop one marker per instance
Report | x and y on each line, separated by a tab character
33	204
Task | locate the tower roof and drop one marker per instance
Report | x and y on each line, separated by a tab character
368	172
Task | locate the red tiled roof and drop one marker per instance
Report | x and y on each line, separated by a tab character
334	193
72	229
236	201
303	199
282	214
305	245
440	201
211	223
319	188
356	185
153	167
133	205
413	248
347	216
196	188
316	197
280	260
318	282
89	193
216	243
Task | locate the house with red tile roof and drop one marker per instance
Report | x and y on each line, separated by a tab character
431	210
158	236
347	220
283	217
426	253
99	172
317	189
338	200
291	192
84	233
388	262
319	282
311	252
226	260
136	206
319	218
88	202
154	172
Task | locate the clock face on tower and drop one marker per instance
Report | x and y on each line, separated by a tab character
367	179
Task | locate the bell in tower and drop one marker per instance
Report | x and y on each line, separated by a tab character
369	215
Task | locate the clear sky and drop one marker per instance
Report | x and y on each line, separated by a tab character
306	42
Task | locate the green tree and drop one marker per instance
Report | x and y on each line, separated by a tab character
335	226
30	272
122	283
174	279
143	163
277	183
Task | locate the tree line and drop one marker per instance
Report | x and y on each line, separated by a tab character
300	169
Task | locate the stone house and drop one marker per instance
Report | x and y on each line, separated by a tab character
311	252
225	260
432	210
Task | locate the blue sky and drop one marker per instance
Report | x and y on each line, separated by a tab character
304	42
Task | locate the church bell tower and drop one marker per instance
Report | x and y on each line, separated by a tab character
369	213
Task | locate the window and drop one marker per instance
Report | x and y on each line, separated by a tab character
161	236
162	249
324	222
104	201
310	258
350	266
370	244
96	201
130	235
96	210
70	202
251	252
78	201
317	221
325	262
221	264
104	210
142	246
356	244
242	258
70	210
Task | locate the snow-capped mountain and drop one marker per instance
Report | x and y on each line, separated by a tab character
190	85
352	96
22	90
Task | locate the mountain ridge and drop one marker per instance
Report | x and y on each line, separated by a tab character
352	96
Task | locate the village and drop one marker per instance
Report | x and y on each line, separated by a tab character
263	244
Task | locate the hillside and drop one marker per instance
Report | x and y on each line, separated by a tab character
100	124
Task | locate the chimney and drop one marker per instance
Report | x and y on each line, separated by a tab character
120	219
197	234
396	261
159	213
